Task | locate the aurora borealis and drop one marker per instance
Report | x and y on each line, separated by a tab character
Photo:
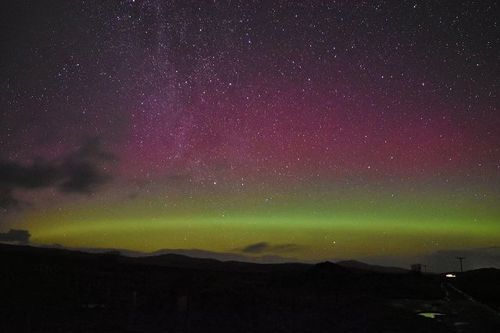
324	129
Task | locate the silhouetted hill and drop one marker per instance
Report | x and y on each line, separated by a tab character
330	268
182	261
482	284
177	260
372	268
193	253
165	259
485	274
57	290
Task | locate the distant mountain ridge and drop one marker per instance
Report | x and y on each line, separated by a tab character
194	253
201	259
372	268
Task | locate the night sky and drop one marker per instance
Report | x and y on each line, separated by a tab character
301	129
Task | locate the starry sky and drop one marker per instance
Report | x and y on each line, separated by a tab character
300	129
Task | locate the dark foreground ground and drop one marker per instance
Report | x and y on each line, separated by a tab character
50	290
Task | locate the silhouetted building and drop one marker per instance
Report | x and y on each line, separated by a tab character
416	268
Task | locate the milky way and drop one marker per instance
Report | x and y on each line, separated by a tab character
324	129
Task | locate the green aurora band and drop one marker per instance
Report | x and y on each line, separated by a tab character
324	224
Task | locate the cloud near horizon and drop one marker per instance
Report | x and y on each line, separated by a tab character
265	247
15	235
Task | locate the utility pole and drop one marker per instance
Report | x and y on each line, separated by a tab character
461	259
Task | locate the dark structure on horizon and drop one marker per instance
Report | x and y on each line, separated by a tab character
15	236
461	259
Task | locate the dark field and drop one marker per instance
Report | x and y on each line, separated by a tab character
51	290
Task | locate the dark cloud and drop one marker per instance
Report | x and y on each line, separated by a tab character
7	199
78	172
82	170
38	174
15	235
263	247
